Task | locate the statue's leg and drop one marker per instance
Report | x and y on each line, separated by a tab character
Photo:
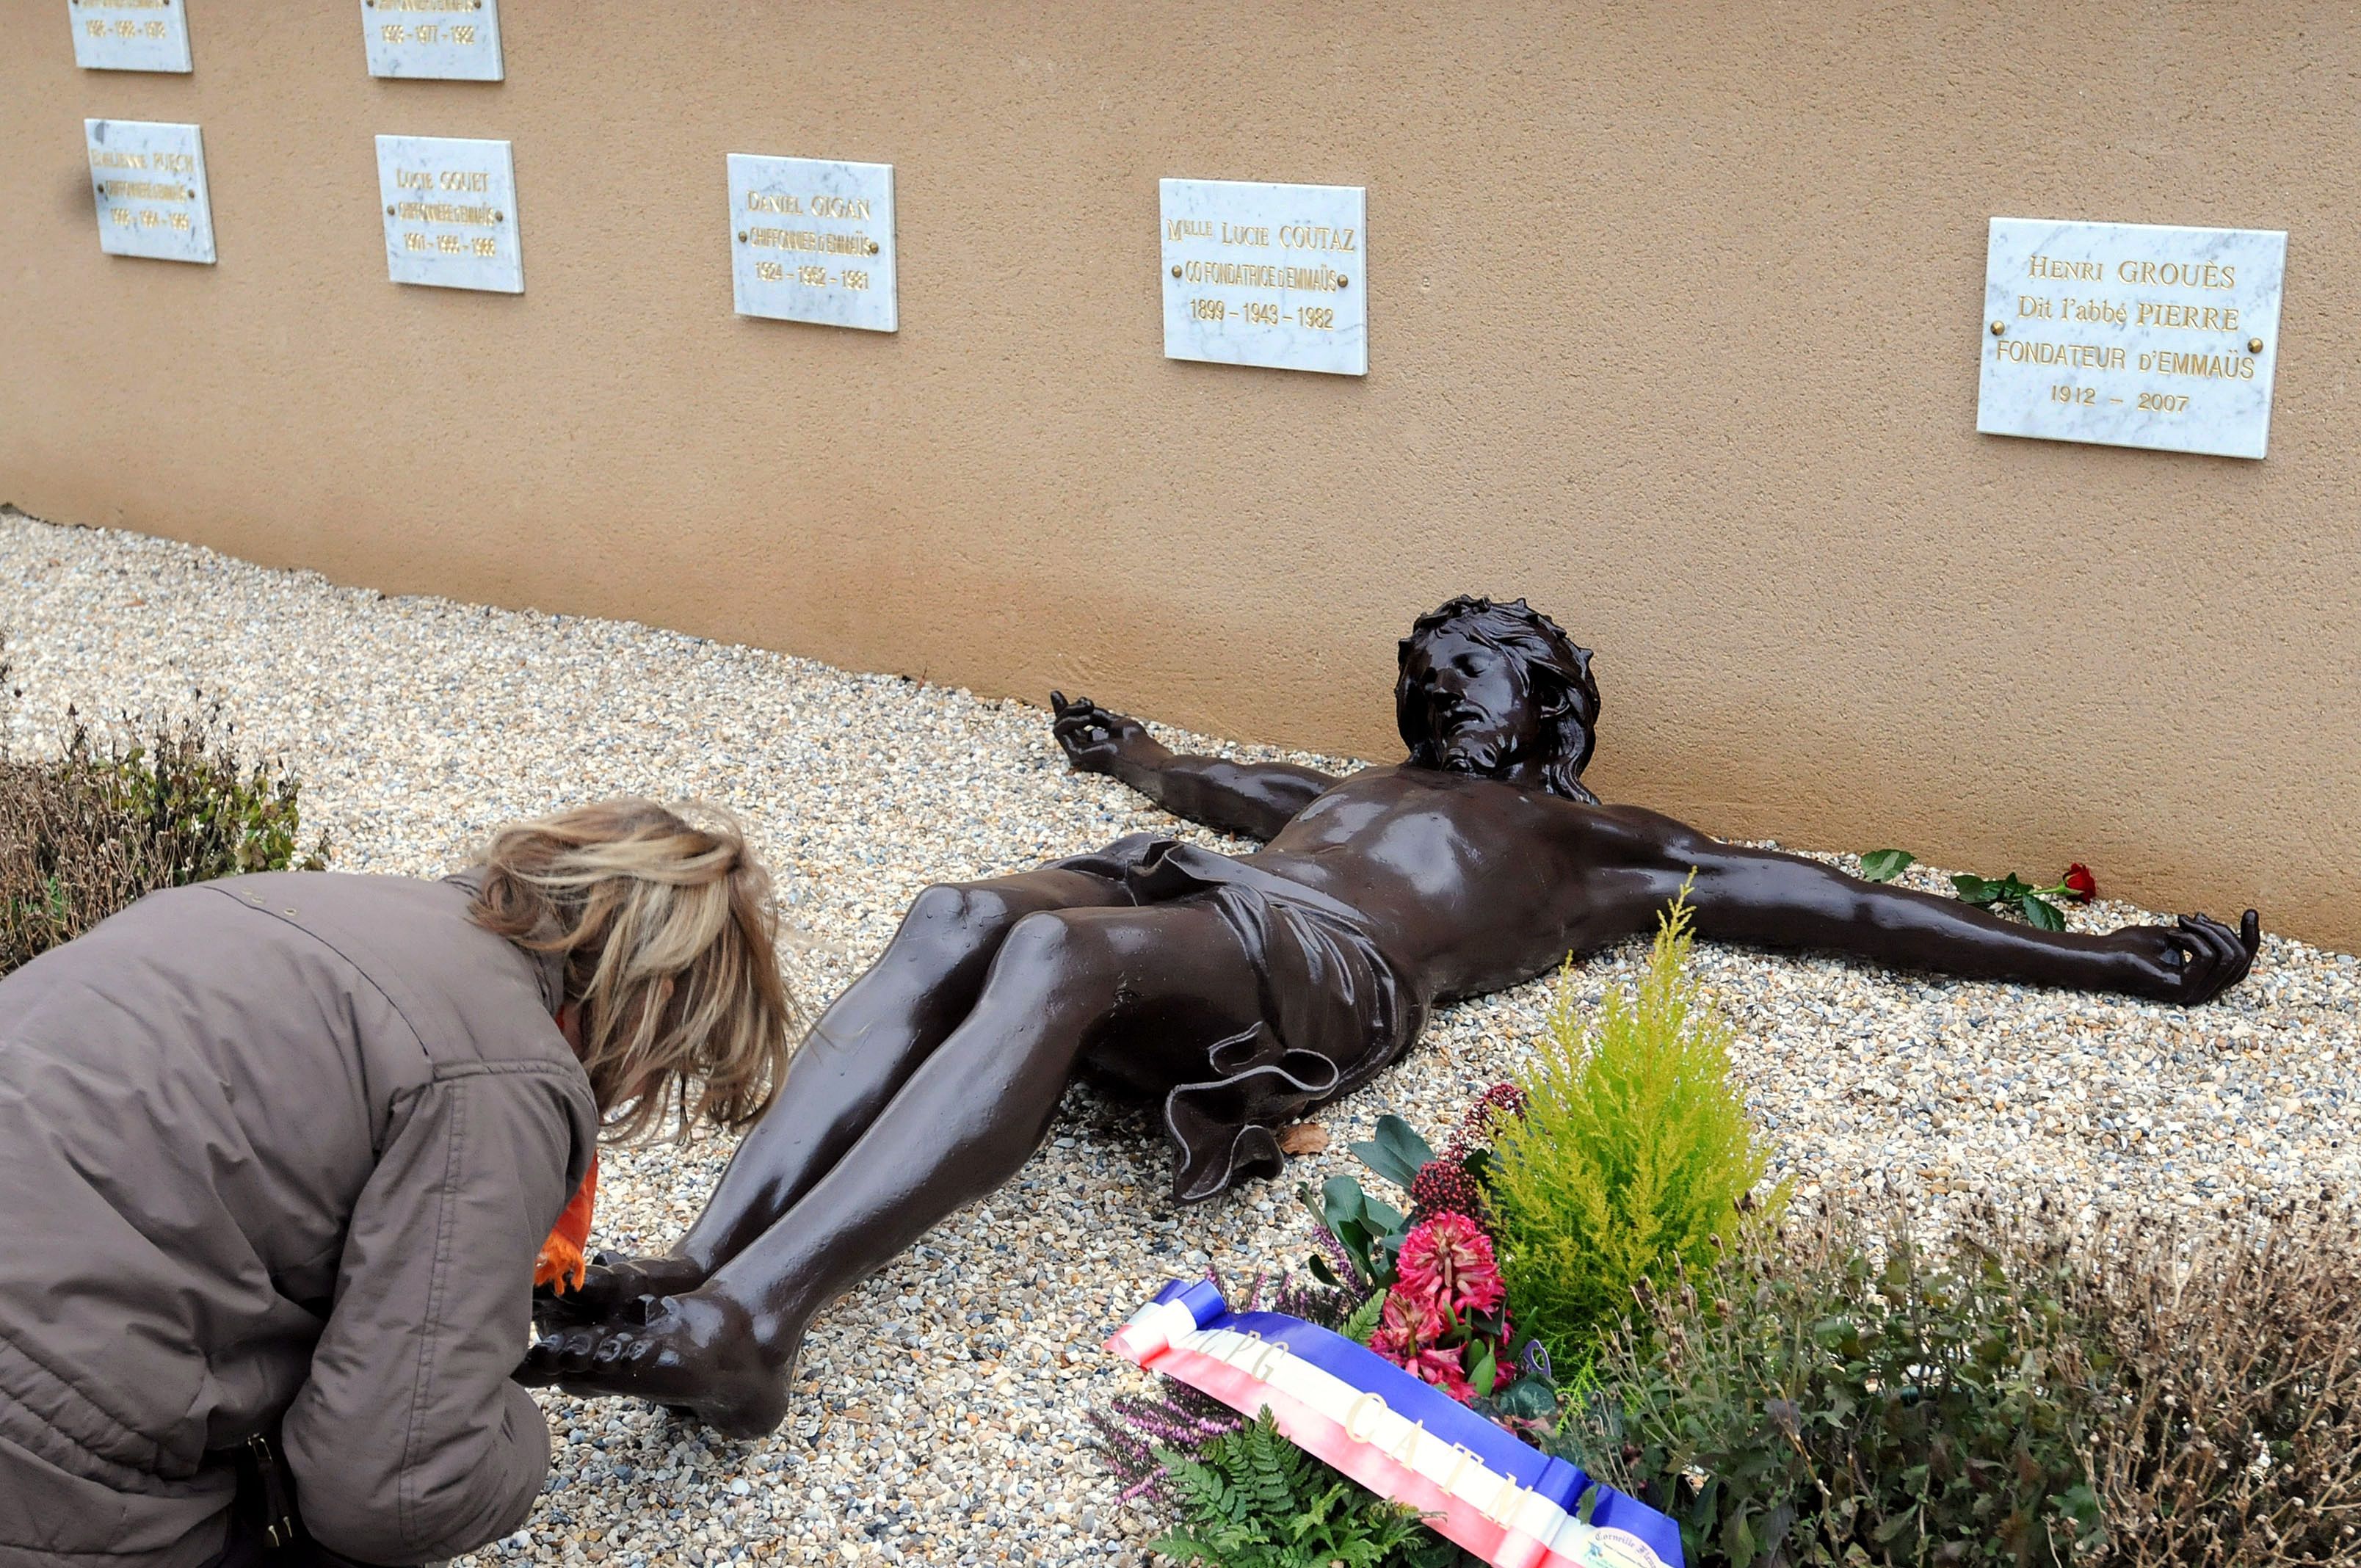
1168	979
857	1054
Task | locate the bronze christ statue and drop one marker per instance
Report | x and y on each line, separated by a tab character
1239	991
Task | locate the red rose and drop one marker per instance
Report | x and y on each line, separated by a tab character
2081	883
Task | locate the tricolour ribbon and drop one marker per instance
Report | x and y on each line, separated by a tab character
1502	1499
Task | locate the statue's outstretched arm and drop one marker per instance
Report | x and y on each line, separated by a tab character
1786	901
1253	799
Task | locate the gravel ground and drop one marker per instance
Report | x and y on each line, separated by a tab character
940	1407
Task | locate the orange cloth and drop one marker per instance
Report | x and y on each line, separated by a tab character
563	1261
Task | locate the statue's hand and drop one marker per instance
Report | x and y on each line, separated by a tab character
1093	738
2190	963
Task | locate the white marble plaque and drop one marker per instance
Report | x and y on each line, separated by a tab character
811	239
2131	334
456	40
1272	275
150	182
130	35
450	213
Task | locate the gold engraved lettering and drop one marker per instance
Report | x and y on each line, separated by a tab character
810	240
771	271
472	180
107	158
2204	366
1371	1406
2074	355
1189	228
2050	267
412	240
2190	318
2179	274
1314	236
756	201
445	213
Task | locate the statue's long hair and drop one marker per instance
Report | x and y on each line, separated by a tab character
1557	674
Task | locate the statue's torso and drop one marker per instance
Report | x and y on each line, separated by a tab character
1470	883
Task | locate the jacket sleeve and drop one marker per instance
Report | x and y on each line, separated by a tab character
408	1442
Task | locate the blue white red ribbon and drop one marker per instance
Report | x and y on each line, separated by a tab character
1502	1499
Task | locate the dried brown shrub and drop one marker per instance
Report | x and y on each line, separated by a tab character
121	811
2233	1431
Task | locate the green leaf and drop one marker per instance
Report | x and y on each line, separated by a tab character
1341	1200
2041	913
1486	1373
1396	1152
1365	1317
1528	1399
1884	865
1975	889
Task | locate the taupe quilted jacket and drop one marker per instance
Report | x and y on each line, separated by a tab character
275	1148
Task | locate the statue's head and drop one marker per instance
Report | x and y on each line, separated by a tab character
1485	686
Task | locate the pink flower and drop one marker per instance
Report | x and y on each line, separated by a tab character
1439	1366
1408	1327
1447	1262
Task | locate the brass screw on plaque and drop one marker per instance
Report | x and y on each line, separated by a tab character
872	248
741	236
2253	346
1176	272
389	212
1999	327
1342	280
102	185
500	217
192	193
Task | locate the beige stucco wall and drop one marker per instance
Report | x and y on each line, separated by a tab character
1672	331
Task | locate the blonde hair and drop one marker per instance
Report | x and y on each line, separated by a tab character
669	939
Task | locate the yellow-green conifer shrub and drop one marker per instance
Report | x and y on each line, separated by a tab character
1634	1153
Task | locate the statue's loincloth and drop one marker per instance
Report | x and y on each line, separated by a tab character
1335	1009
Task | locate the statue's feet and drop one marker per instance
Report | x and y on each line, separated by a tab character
616	1289
697	1354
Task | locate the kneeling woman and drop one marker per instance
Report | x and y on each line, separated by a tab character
277	1154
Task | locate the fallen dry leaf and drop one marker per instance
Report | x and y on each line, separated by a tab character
1304	1138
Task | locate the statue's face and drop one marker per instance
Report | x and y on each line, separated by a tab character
1478	705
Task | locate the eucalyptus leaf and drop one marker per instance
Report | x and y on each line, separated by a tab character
1884	865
